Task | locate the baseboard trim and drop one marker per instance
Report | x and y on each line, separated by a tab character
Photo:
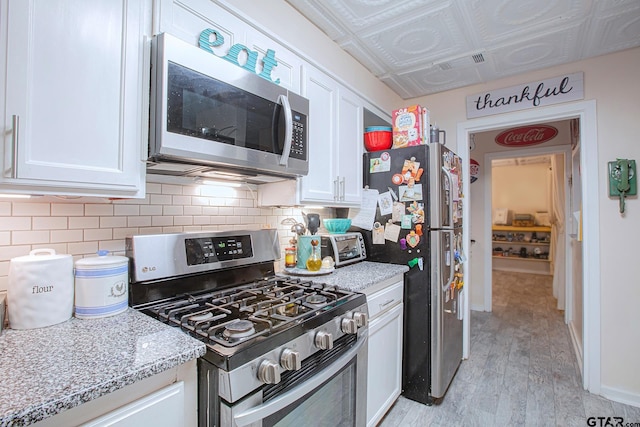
577	349
620	396
477	307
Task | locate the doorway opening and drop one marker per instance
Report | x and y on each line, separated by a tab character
480	267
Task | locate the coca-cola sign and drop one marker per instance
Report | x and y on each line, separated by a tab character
525	136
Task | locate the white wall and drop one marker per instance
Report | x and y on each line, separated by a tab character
522	189
612	81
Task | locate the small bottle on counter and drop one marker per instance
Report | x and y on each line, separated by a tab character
289	257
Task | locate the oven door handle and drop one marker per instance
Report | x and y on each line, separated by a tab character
260	412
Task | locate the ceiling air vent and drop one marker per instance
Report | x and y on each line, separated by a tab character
478	58
444	66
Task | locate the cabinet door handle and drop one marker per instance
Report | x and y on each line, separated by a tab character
336	190
386	303
342	185
15	134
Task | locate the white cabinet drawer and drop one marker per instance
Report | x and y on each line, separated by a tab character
385	299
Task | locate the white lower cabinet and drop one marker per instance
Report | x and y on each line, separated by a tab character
167	399
164	408
384	378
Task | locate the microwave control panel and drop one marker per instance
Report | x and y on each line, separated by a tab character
299	137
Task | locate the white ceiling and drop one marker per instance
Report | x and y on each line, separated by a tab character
421	47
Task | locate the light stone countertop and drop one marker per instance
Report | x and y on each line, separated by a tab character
47	370
359	276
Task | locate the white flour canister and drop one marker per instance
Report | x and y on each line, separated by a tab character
40	291
101	286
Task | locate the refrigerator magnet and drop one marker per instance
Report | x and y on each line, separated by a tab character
377	234
385	202
397	179
417	210
398	212
412	239
379	165
391	232
406	222
410	192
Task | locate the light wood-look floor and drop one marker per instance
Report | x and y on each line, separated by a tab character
521	372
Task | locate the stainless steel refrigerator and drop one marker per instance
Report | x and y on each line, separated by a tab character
419	223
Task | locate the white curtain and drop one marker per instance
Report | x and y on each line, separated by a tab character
558	227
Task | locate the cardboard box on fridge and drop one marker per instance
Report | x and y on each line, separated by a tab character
410	126
407	126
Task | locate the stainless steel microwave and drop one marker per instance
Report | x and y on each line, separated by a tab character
344	248
212	118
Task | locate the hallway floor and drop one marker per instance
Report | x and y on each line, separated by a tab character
521	371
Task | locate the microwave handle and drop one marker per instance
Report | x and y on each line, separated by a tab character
288	135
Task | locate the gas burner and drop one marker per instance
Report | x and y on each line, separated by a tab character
200	317
238	329
316	299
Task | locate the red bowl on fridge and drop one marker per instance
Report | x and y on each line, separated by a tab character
377	138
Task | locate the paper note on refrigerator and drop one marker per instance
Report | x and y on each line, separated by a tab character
364	216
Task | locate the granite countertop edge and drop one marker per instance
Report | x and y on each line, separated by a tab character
32	409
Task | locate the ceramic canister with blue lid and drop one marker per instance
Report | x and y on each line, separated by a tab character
101	286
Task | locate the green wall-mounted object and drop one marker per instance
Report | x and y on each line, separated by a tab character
622	180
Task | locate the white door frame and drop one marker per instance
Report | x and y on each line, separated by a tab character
586	112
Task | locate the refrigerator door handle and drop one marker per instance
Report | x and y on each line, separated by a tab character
452	264
450	198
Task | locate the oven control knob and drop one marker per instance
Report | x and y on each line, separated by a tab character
290	360
324	340
269	372
349	326
361	319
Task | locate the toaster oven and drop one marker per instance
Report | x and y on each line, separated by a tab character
343	248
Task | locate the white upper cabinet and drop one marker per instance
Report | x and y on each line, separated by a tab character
75	79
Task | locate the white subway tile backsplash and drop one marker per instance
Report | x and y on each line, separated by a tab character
59	236
116	246
67	209
12	251
151	210
126	210
82	226
199	201
171	210
193	210
4	268
5	208
171	189
180	200
161	221
138	221
210	210
95	209
113	221
154	188
50	222
15	223
83	248
83	222
183	220
98	234
121	233
31	209
30	237
160	199
201	220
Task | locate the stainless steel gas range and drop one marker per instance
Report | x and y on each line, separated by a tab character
281	351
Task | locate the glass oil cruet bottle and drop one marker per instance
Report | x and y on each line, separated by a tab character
314	262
